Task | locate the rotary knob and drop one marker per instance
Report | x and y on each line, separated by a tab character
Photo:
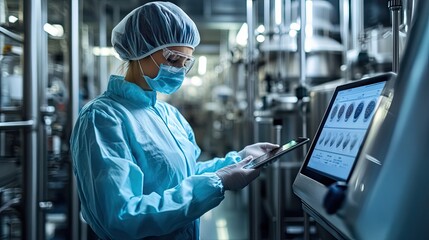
335	196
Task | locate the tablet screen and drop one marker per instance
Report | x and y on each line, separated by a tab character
276	153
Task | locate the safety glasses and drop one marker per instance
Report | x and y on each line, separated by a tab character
178	59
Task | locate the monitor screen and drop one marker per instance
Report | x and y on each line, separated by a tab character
343	130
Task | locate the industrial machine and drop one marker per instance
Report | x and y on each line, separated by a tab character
354	110
377	192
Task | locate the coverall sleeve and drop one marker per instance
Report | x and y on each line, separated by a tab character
217	163
111	184
214	164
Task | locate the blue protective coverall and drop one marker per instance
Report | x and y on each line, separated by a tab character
135	162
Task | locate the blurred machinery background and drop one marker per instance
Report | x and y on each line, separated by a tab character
258	77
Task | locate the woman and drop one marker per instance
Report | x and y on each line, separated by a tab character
135	158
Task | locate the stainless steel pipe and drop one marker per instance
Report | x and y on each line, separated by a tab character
395	7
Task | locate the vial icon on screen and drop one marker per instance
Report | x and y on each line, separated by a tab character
358	111
349	111
322	137
369	110
353	142
341	111
334	137
334	112
339	140
346	141
327	138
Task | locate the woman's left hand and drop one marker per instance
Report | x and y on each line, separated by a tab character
257	149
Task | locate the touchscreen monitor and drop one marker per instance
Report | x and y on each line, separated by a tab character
343	130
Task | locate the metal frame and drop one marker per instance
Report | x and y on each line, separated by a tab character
32	21
74	49
35	60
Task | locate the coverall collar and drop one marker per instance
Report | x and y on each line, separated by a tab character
118	86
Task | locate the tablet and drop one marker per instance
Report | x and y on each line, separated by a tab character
274	154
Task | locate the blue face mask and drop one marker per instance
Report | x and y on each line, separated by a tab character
168	80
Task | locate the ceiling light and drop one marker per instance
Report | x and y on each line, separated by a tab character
55	30
196	81
12	19
309	18
261	29
278	12
105	51
242	35
260	38
295	26
202	65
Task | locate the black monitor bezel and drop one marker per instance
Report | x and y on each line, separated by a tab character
319	176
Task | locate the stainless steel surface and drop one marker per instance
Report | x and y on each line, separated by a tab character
395	31
395	8
74	221
251	73
398	198
280	206
11	35
44	125
321	66
251	87
320	96
320	13
32	21
301	43
277	202
267	15
409	8
103	72
16	124
292	57
313	193
263	133
386	198
287	43
303	82
379	43
255	210
357	28
306	227
344	7
376	53
287	13
30	134
291	203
